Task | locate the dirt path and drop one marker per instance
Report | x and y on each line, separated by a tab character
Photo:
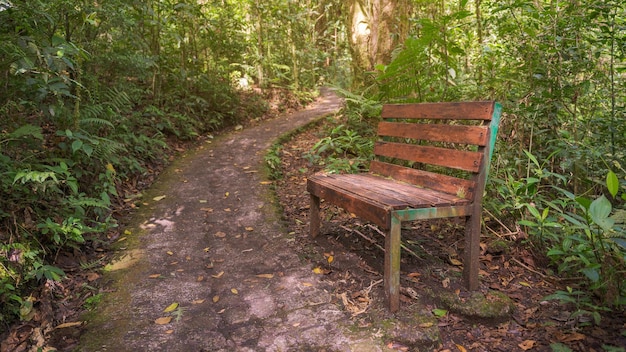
215	246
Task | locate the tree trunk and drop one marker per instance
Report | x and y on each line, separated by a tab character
376	28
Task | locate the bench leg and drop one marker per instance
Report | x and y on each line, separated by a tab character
392	265
471	261
314	216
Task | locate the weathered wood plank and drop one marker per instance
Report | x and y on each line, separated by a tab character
362	207
410	194
475	135
438	182
455	111
455	159
355	186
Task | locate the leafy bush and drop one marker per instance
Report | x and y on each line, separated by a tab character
579	235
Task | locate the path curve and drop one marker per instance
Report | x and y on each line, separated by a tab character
221	253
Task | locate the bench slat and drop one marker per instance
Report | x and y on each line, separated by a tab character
366	208
455	159
359	187
455	111
411	195
476	135
435	181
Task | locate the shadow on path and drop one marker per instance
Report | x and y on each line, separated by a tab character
214	245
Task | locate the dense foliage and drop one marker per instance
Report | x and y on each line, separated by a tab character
558	180
93	94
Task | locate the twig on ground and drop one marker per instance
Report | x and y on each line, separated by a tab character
401	244
372	241
500	222
528	268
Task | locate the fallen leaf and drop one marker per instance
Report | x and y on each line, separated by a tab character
200	278
571	337
155	276
461	348
440	312
203	201
197	301
208	210
206	249
426	325
221	311
226	194
265	276
266	182
158	198
220	234
216	299
307	284
163	320
524	283
169	331
455	262
127	232
445	282
330	259
227	210
249	228
69	325
234	291
396	346
414	275
218	275
172	307
527	345
318	270
93	277
169	253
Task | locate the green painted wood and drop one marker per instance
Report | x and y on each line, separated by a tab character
392	264
432	213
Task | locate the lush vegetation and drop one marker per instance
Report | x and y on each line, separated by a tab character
558	180
94	93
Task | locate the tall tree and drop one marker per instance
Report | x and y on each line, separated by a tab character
376	28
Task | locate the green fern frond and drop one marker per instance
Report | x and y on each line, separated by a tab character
95	121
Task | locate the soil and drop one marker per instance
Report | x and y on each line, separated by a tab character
217	257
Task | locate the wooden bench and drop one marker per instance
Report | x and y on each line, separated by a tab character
414	137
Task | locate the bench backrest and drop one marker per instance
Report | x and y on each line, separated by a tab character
456	136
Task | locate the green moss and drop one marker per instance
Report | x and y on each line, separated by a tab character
493	305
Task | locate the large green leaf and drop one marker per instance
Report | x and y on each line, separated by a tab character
599	211
612	183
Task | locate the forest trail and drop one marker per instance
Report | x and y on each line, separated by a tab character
210	246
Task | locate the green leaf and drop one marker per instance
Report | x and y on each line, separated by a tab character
27	130
533	210
76	145
592	274
440	312
527	223
620	241
87	149
612	183
599	210
585	202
